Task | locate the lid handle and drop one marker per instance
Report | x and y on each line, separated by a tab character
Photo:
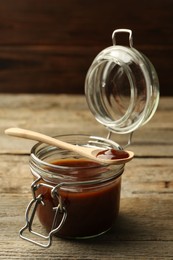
122	30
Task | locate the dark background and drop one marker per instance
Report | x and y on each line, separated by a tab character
47	46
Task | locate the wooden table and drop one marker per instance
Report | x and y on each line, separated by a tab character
144	228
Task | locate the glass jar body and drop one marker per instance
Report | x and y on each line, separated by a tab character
89	192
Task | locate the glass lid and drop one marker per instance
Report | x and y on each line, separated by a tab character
122	87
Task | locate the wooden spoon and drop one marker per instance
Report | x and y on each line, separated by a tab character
95	154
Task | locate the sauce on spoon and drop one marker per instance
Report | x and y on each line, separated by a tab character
112	154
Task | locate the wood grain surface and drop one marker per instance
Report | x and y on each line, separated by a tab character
48	46
144	228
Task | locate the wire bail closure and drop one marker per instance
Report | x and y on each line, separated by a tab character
59	209
129	140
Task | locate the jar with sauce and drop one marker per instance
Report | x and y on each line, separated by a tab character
73	196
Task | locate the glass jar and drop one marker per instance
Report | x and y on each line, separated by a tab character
73	197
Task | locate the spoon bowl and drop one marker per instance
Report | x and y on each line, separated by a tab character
98	155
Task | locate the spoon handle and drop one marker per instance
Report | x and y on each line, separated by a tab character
28	134
88	152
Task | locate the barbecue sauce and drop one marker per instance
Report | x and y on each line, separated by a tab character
91	209
112	154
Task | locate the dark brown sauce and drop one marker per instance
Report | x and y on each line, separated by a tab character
91	209
79	163
112	154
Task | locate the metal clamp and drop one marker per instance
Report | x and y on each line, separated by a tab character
129	142
59	209
122	30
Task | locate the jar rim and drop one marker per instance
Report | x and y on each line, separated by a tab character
39	164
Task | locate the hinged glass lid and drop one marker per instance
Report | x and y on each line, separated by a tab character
122	87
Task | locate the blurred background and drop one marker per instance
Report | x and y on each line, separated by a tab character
48	46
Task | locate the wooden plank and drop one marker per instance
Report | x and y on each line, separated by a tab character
54	69
148	177
142	177
146	199
144	228
140	231
80	23
41	69
52	114
45	45
83	250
